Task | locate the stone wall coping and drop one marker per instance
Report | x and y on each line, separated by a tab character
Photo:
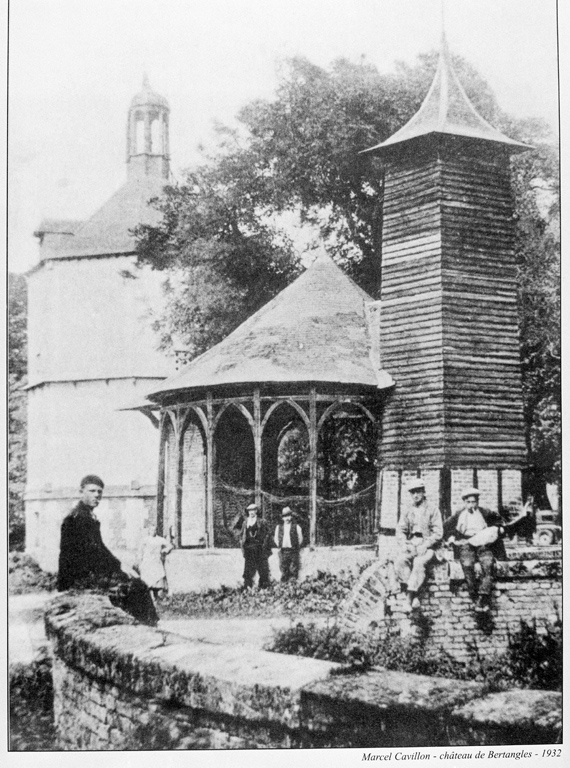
91	636
71	494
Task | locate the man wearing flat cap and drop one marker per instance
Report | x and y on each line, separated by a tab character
476	535
289	538
419	531
255	541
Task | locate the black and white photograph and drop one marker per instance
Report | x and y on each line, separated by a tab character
284	399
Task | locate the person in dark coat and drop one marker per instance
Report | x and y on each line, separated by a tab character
86	563
255	539
476	534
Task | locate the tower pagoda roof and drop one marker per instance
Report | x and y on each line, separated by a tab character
447	110
315	330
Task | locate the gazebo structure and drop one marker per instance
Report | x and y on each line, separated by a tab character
265	413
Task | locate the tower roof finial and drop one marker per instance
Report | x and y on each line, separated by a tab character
447	109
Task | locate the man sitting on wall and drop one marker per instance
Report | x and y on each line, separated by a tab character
476	535
419	530
86	563
256	548
289	538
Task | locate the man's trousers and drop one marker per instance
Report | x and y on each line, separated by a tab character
468	556
289	563
255	563
411	567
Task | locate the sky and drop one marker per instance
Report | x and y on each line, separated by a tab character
75	65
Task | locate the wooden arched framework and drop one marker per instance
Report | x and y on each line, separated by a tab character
311	406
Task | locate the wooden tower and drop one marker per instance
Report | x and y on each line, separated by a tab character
449	327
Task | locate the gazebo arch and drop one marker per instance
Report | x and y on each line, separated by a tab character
346	489
234	469
191	528
167	473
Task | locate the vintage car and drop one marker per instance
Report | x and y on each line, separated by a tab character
548	528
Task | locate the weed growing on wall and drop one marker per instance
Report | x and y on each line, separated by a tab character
533	658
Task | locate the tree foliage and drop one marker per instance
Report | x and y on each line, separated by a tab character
17	371
300	151
223	261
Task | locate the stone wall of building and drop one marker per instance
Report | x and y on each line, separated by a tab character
528	590
120	685
194	570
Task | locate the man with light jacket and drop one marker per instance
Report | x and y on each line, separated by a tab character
418	533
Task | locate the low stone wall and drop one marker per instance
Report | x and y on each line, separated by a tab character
526	589
121	685
195	570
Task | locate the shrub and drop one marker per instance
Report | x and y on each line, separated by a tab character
31	706
533	658
319	594
25	575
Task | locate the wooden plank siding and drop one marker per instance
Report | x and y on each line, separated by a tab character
449	327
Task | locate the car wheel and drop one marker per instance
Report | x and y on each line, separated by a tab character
545	538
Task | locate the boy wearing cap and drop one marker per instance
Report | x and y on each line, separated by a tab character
475	532
419	530
255	541
289	538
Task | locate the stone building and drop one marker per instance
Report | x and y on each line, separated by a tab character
434	365
92	351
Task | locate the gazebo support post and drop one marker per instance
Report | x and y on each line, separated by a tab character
160	484
313	456
210	471
174	481
257	444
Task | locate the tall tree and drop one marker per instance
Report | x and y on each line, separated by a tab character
223	261
17	422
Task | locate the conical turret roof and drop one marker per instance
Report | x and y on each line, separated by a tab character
315	330
447	110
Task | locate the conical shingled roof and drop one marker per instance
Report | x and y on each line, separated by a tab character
314	330
108	230
447	109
